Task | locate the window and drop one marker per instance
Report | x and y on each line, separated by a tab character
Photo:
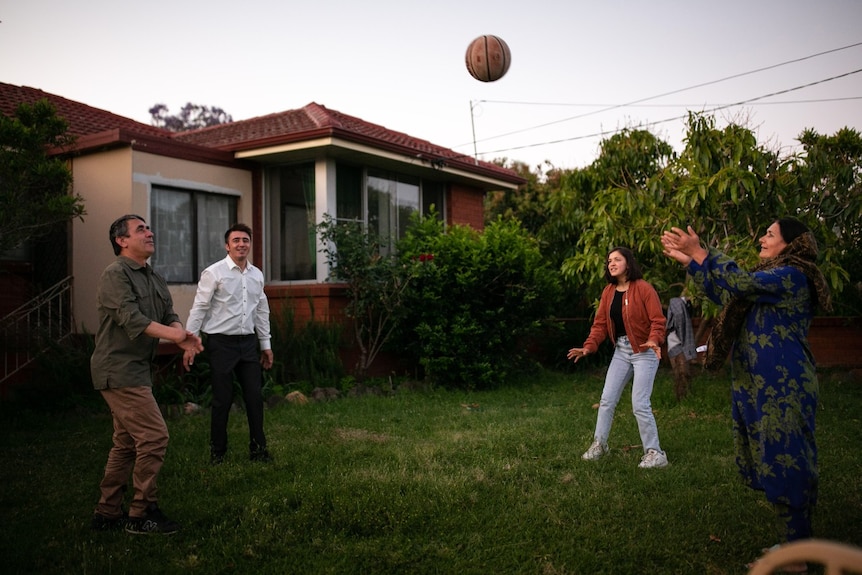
293	243
381	200
189	228
390	199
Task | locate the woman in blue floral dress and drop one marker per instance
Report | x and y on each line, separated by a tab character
764	326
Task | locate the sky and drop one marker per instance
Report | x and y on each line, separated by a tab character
581	69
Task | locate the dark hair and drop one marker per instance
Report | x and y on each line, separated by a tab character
791	228
633	270
237	228
119	229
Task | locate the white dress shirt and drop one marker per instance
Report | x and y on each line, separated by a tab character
231	301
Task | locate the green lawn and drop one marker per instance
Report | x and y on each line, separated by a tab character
427	482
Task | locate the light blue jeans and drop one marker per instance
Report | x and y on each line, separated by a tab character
625	366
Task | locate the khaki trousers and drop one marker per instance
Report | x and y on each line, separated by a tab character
140	442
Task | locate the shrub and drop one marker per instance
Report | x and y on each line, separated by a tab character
475	299
61	376
376	284
306	356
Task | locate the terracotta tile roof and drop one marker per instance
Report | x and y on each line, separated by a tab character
83	120
315	121
310	122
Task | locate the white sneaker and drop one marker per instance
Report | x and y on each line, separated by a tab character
596	450
653	458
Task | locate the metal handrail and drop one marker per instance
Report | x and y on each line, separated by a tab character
26	331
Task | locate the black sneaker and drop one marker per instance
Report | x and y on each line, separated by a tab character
216	458
261	455
102	523
153	522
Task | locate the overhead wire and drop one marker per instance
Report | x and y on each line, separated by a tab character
662	95
706	111
684	105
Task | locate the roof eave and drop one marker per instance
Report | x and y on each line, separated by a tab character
120	137
460	163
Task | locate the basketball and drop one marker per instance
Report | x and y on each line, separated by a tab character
488	58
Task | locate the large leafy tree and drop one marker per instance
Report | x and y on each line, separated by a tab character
614	201
191	117
830	188
34	185
723	183
527	204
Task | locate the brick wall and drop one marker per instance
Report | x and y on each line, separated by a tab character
466	206
835	341
328	302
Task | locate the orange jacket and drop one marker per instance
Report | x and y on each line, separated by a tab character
643	317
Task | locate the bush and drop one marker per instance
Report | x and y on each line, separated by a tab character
376	284
475	300
61	376
306	356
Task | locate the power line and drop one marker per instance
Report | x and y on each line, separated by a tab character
683	105
710	111
672	92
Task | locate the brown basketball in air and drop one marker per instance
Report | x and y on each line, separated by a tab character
488	58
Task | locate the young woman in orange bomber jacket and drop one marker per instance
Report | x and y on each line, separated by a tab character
630	314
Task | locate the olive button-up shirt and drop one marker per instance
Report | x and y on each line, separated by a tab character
129	297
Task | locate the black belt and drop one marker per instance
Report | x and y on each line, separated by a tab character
226	336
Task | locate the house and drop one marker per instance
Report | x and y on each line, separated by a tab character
280	173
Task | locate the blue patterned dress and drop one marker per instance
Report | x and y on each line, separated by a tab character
774	389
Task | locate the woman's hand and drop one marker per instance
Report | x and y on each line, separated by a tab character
577	353
683	246
653	346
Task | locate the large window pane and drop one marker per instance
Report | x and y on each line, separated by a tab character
172	224
391	200
432	195
381	207
293	240
408	203
189	228
348	193
214	218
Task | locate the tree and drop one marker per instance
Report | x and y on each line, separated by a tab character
191	117
830	184
527	204
376	285
725	184
34	187
616	201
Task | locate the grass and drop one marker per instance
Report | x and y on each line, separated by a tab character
433	482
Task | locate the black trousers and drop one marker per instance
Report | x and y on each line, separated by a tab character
238	355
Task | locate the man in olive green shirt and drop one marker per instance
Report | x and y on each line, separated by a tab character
135	312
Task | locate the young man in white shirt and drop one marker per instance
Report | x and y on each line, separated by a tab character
231	308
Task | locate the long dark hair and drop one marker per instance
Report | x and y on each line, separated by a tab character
633	269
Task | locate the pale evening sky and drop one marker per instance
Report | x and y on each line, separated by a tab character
580	69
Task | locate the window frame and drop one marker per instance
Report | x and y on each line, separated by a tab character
197	258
